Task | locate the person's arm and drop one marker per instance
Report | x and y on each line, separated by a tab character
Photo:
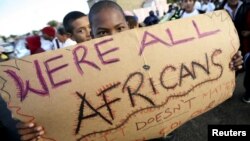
29	131
236	62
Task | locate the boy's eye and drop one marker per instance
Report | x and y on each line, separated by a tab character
121	28
102	33
81	31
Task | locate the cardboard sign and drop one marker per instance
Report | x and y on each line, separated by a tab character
136	85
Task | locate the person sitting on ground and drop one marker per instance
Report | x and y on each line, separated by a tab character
76	25
106	18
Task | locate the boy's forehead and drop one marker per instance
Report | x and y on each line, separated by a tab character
83	21
80	22
107	14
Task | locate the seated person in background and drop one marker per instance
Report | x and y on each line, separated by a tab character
37	44
106	18
64	38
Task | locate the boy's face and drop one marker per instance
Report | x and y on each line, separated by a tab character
81	30
108	22
47	37
61	38
188	5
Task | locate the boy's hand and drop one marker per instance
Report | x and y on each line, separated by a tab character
29	131
236	62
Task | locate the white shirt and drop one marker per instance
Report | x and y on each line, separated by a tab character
186	15
230	11
68	42
46	44
56	46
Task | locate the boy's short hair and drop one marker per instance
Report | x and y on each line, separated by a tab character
69	18
99	6
61	30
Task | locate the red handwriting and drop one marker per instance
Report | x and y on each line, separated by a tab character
23	90
51	71
80	55
100	54
154	39
24	86
83	60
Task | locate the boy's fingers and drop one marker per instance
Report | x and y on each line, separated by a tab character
237	57
26	131
33	136
21	125
238	54
239	67
231	66
29	137
238	63
30	130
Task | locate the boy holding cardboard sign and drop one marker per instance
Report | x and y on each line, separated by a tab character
106	18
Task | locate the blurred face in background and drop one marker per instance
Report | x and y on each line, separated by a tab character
206	1
47	37
188	5
233	2
62	38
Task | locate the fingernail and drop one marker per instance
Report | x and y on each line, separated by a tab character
41	133
31	125
39	128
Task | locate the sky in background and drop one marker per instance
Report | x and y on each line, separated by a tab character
18	17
